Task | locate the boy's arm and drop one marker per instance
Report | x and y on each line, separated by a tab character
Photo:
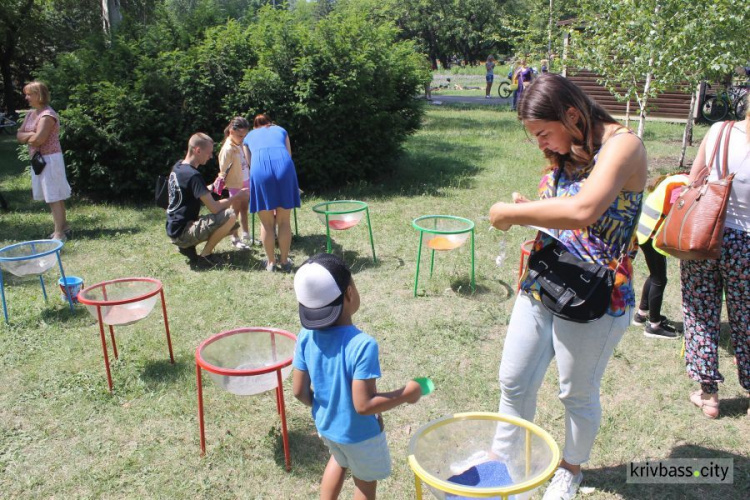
368	401
301	387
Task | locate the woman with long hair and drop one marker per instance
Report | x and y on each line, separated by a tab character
235	170
590	196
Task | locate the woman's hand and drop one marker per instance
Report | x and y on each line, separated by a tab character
498	216
519	198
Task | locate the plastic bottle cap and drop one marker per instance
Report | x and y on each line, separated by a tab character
426	384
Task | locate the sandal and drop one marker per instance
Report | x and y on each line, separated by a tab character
709	408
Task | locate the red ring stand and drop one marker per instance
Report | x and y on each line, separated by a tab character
98	297
274	340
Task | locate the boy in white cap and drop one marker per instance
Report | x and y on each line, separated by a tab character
335	369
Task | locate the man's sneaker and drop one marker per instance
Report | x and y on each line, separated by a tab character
463	465
188	252
563	486
239	244
664	330
640	319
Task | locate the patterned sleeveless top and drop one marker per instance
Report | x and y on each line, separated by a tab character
600	242
52	144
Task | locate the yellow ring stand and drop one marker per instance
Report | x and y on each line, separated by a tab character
538	445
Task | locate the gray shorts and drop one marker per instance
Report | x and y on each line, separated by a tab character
200	230
368	460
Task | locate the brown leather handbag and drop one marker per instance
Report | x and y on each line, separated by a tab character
694	228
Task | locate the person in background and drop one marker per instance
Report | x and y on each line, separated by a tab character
704	282
335	371
664	191
513	81
523	76
40	130
489	78
235	170
591	195
273	187
544	66
187	190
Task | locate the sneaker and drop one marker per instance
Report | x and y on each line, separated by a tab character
640	319
287	268
563	486
239	244
250	241
268	266
664	330
463	465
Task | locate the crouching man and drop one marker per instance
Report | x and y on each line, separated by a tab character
187	190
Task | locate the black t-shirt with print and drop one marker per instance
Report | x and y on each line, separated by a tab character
186	186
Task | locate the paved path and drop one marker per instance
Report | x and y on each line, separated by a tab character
493	101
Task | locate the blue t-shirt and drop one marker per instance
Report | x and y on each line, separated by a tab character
334	357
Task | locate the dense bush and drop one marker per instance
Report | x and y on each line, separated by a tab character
342	86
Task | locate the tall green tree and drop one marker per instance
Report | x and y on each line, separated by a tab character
33	32
531	27
446	28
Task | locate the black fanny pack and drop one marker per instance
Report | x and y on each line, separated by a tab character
570	288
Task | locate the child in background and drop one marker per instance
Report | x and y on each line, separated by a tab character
233	168
489	78
664	191
335	369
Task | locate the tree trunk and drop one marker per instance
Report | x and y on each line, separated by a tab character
643	103
627	113
6	57
647	87
688	134
111	15
9	94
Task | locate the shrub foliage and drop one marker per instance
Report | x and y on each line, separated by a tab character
343	86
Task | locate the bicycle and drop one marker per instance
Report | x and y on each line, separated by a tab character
8	124
717	106
505	88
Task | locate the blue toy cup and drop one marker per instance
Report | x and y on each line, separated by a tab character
70	287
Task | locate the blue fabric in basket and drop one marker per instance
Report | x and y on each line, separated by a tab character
492	474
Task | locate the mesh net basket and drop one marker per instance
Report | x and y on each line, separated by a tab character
138	294
30	258
241	354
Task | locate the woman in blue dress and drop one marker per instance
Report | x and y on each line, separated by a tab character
273	188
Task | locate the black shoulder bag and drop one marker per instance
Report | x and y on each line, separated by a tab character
161	191
38	163
571	288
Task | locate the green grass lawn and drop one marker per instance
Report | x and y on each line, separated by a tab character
63	435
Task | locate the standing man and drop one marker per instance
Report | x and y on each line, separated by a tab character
187	189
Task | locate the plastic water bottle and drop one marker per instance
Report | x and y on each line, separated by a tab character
500	254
